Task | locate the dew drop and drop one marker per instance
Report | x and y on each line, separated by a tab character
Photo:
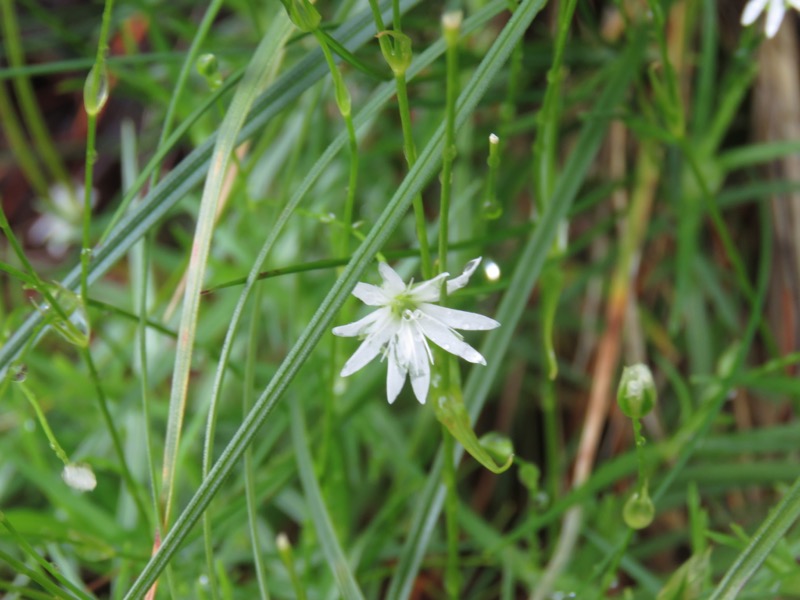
491	269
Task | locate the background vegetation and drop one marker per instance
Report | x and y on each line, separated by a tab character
245	164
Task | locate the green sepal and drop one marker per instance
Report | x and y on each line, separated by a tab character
303	14
75	328
448	404
551	283
398	52
208	67
95	89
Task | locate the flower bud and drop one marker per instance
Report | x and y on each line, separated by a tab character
398	52
303	14
451	24
79	477
636	395
639	510
208	66
95	89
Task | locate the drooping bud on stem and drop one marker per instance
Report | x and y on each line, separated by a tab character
95	89
636	395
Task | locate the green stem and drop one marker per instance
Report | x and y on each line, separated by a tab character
91	132
639	441
96	73
451	25
249	472
102	401
351	185
452	577
51	437
411	158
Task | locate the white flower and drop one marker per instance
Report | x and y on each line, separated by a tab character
61	225
79	477
775	13
405	318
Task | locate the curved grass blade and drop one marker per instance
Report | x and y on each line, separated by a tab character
761	544
316	506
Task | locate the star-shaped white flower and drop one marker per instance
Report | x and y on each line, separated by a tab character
775	13
405	320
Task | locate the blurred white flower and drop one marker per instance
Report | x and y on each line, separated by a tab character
776	9
404	322
79	477
61	226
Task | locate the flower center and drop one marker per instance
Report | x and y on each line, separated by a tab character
402	304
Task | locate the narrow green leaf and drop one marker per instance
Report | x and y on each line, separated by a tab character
319	513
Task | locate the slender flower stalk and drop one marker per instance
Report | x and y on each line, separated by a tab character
405	320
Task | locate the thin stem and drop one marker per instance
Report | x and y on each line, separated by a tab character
351	185
94	89
102	402
451	25
452	578
48	432
249	473
91	132
639	441
411	158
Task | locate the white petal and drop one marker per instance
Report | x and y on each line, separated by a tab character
371	295
359	327
395	377
421	377
794	4
368	350
752	10
459	282
392	282
79	477
430	290
446	339
775	13
459	319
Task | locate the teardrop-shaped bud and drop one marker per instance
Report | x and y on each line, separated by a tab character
639	510
95	89
636	395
